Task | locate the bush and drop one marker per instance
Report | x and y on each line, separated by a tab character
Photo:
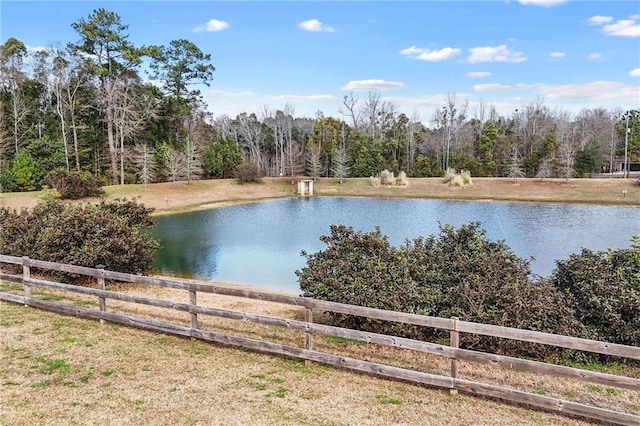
457	179
7	182
26	172
402	179
449	174
604	289
112	234
387	178
73	184
457	273
247	173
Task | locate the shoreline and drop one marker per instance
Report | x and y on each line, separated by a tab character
183	197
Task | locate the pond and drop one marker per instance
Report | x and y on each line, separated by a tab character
259	244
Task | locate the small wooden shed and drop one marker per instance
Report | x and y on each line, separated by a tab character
305	188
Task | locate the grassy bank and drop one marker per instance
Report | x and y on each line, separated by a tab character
169	198
64	370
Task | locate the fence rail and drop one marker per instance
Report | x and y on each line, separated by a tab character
451	351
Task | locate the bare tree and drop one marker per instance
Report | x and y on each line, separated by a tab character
134	108
546	169
144	164
12	79
314	159
449	122
194	141
350	103
379	114
68	79
340	170
176	168
249	136
567	144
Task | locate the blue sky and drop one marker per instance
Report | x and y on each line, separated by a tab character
571	54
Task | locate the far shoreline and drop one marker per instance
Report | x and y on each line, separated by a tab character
182	197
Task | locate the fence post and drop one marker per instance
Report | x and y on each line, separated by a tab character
308	336
308	318
26	275
102	304
454	342
193	301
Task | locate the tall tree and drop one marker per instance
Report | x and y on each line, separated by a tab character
12	80
180	66
105	46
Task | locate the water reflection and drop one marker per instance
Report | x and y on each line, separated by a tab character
259	244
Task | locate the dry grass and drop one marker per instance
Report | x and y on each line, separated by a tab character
62	370
169	198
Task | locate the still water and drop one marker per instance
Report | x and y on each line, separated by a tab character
259	244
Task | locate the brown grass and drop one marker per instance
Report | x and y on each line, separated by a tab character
169	198
63	370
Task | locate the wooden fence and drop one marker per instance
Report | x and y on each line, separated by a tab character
451	351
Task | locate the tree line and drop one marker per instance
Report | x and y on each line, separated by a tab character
134	114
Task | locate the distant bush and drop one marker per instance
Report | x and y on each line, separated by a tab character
387	178
73	184
247	173
109	233
402	179
449	174
457	179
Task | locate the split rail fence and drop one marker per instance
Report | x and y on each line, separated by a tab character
311	306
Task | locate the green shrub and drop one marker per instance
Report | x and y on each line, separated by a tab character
86	235
604	290
73	184
247	173
7	182
26	172
457	273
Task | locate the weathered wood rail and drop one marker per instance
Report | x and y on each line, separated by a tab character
451	351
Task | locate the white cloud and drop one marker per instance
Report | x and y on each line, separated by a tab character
623	28
597	90
523	86
594	56
212	26
412	51
557	54
33	49
495	54
314	25
429	55
372	85
478	74
543	3
302	98
491	87
634	72
223	94
599	20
